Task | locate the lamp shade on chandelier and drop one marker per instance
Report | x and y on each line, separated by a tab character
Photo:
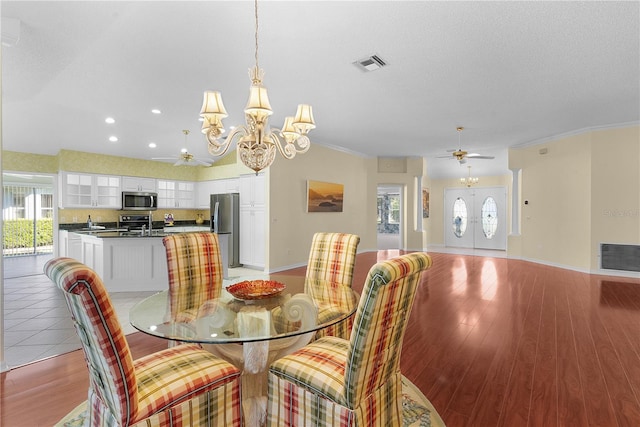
257	143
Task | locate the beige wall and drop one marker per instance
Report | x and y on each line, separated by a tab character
291	227
585	190
615	189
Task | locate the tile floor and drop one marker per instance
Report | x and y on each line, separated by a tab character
37	323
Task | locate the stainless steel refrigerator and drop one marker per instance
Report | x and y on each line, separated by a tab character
225	219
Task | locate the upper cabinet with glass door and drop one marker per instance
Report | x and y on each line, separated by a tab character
81	190
176	194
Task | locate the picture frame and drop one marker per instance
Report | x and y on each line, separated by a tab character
324	196
425	203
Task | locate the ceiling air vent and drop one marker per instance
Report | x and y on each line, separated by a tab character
370	63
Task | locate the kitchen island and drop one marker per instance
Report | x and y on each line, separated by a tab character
129	261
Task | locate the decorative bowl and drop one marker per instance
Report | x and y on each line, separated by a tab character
255	289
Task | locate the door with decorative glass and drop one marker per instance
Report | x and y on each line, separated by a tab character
476	218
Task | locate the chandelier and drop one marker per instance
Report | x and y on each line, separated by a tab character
256	141
469	180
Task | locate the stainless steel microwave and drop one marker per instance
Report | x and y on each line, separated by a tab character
138	201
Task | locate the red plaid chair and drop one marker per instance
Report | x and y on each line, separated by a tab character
194	264
332	259
179	386
335	382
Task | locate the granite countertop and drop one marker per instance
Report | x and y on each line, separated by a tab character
108	234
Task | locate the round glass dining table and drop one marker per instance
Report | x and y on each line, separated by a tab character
258	323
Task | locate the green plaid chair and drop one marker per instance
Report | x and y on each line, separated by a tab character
194	264
179	386
332	258
335	382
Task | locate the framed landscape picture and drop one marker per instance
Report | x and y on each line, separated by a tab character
324	196
425	203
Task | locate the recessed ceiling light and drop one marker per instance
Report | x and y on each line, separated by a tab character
113	138
156	111
152	145
110	120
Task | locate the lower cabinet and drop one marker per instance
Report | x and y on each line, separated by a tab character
127	264
252	237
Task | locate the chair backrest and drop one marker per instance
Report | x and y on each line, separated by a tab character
111	369
194	264
332	257
380	322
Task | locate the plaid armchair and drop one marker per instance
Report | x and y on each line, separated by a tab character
335	382
180	386
332	259
194	264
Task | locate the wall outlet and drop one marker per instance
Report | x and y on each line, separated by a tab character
75	219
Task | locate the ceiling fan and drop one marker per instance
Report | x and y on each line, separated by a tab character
186	158
460	155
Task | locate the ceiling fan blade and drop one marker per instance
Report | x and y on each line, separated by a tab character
201	162
478	156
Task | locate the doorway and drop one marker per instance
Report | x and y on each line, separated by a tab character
476	218
390	216
28	223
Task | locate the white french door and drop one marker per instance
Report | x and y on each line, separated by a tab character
476	217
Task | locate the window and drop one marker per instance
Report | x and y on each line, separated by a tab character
394	209
459	222
489	217
380	207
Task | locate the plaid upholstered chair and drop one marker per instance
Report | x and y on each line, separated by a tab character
335	382
183	385
194	264
332	258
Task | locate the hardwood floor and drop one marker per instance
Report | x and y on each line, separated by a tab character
491	342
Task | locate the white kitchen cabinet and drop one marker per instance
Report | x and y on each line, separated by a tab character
217	186
125	264
252	237
252	191
136	183
81	190
252	220
176	194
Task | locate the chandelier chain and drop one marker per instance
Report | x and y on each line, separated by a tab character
256	36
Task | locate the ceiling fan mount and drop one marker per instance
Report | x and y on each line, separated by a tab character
461	155
185	158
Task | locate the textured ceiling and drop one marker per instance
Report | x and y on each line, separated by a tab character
511	73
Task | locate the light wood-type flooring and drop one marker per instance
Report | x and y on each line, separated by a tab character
491	342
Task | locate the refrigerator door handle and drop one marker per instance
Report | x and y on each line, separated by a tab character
215	217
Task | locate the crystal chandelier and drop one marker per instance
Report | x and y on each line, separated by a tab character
469	180
257	142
